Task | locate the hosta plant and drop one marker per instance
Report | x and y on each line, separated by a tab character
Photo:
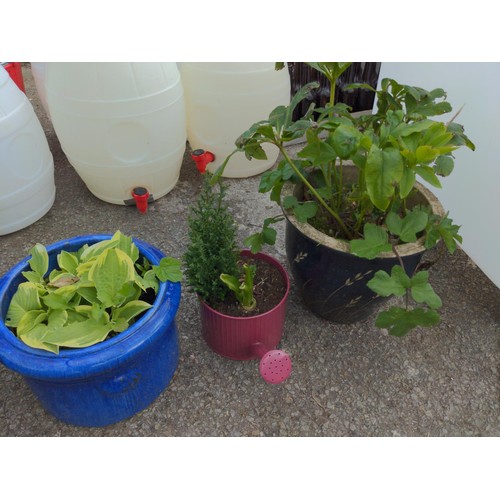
93	292
391	149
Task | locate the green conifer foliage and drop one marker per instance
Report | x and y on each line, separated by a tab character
212	249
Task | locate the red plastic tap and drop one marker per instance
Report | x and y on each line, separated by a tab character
141	196
202	158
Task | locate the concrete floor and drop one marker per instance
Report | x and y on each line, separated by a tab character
347	380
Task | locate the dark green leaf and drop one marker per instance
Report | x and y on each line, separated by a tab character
385	285
355	86
169	270
269	235
277	117
317	151
375	241
290	202
268	180
406	129
299	96
266	130
422	292
444	165
254	150
408	227
407	182
443	229
276	192
400	321
254	242
346	140
304	211
427	173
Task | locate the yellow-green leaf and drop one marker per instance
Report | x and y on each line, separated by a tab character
25	299
384	169
81	334
33	338
130	310
111	272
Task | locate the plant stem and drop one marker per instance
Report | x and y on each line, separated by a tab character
332	95
407	294
340	187
314	192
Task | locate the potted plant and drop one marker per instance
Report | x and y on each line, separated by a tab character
357	219
242	296
89	322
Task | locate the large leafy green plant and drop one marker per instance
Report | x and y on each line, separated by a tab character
94	291
391	149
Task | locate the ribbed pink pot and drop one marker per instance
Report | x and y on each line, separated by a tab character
250	337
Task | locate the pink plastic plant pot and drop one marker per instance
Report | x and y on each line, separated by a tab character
252	337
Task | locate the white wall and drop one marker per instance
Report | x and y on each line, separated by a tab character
472	192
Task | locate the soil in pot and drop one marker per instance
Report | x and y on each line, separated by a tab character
269	289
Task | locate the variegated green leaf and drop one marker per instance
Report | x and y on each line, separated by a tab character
149	280
67	262
33	338
384	169
81	334
58	317
111	272
126	244
25	299
97	249
29	320
130	310
39	264
60	297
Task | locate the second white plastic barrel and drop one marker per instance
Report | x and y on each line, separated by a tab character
27	188
121	125
223	100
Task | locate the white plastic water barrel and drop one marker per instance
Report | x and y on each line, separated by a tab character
472	192
121	125
26	165
38	72
223	100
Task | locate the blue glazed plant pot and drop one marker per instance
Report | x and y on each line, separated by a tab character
107	382
330	280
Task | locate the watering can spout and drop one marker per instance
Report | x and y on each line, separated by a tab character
202	158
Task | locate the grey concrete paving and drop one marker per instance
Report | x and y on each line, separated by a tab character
349	380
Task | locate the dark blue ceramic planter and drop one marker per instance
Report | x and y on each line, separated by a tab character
332	281
107	382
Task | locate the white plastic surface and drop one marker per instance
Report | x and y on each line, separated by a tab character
223	100
26	164
472	192
38	72
121	125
